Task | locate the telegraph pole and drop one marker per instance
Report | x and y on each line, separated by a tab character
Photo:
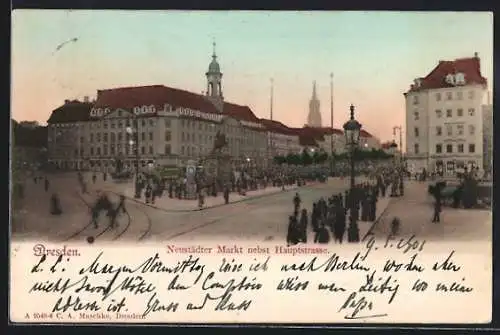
270	140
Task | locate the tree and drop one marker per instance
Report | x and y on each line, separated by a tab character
306	159
322	157
315	157
292	159
279	159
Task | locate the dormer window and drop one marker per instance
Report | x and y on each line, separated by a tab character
459	78
450	79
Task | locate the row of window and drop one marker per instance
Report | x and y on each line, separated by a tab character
449	148
125	150
449	130
449	113
123	123
118	137
448	96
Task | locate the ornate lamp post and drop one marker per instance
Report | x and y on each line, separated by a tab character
134	133
352	130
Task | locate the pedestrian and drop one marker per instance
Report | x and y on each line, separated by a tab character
314	217
340	224
364	207
292	237
395	225
322	235
373	208
352	232
95	216
296	202
94	178
55	205
303	226
121	205
437	205
154	192
104	176
201	199
226	194
147	193
111	214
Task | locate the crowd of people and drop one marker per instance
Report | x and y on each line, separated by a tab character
328	217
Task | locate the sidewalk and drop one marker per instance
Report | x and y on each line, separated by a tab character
382	208
182	205
415	211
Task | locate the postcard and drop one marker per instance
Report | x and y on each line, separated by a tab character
251	167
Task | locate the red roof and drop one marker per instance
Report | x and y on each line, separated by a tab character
470	67
242	113
278	127
157	95
72	111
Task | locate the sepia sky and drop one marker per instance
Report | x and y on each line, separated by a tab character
374	57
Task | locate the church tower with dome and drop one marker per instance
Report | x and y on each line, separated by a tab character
314	116
214	81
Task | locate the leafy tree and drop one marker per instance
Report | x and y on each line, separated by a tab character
280	159
322	157
315	157
306	159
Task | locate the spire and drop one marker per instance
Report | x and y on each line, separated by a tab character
214	54
314	90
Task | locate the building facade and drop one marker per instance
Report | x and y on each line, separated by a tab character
444	121
165	126
487	111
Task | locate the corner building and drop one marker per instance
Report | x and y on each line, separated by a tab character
444	121
172	126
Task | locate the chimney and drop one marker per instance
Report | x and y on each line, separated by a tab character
476	55
86	99
66	101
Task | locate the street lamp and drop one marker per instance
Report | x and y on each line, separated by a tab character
135	133
351	131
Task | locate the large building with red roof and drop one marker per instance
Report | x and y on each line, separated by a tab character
443	117
169	126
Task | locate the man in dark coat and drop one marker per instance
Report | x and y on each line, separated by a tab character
437	204
55	205
373	208
47	184
296	202
315	217
226	194
364	207
322	236
340	224
292	236
303	226
352	232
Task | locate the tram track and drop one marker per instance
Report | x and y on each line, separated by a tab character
107	228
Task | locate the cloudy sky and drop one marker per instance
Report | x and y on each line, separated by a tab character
374	57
